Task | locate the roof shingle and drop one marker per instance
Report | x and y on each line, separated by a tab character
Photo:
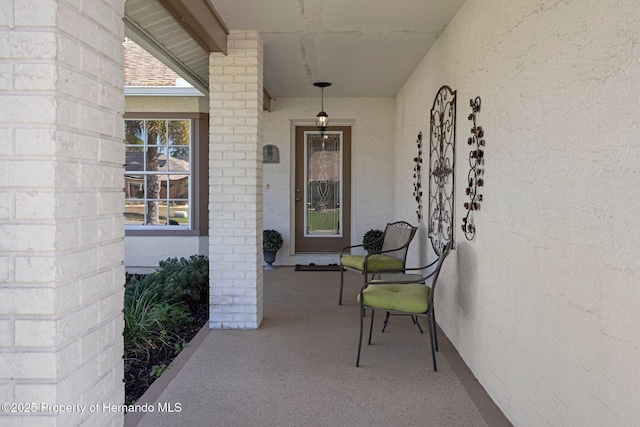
143	69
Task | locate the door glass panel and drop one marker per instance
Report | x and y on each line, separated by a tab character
323	178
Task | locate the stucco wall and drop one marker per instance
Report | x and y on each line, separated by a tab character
372	121
543	304
166	104
143	253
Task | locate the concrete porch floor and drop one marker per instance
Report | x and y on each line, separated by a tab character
298	368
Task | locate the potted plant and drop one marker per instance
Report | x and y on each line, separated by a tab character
271	242
372	240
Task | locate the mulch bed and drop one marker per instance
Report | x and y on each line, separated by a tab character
138	372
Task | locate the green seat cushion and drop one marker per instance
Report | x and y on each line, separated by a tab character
374	262
411	298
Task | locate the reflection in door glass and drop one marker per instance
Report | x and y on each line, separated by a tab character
323	177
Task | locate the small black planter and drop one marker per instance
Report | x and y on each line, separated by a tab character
269	258
271	242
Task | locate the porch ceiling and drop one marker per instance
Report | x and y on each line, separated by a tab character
366	48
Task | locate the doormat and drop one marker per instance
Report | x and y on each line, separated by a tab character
315	267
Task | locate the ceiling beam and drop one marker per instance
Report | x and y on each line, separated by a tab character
200	20
266	100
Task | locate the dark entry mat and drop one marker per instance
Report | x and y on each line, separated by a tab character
314	267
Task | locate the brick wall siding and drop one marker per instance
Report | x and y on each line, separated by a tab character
235	198
61	208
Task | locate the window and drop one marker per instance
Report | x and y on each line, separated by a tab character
158	173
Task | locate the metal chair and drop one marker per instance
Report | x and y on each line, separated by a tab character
403	294
395	244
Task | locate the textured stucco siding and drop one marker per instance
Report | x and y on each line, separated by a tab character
543	304
167	104
143	253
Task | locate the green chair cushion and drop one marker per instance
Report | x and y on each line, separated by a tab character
374	262
410	298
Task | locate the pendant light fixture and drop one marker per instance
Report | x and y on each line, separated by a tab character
322	119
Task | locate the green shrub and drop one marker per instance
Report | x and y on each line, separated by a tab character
182	281
157	370
372	240
149	324
171	316
271	240
156	306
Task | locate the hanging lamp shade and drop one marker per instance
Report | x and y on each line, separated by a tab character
322	119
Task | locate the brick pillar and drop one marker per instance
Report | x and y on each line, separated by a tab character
235	184
61	210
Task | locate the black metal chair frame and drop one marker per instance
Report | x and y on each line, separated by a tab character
430	314
364	272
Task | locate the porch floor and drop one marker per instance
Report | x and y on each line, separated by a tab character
298	368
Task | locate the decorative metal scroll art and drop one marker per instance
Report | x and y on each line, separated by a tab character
441	168
417	176
474	178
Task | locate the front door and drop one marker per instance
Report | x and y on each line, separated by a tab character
322	189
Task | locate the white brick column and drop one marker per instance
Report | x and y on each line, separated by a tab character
235	186
61	210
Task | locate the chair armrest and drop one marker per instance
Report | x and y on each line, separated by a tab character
404	270
349	247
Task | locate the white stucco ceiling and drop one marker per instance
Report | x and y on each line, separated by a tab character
366	48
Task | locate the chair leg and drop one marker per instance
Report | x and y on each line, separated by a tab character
435	333
415	320
386	320
432	340
341	284
365	282
361	330
371	325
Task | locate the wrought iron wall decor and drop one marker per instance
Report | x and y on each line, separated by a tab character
474	178
417	176
441	168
